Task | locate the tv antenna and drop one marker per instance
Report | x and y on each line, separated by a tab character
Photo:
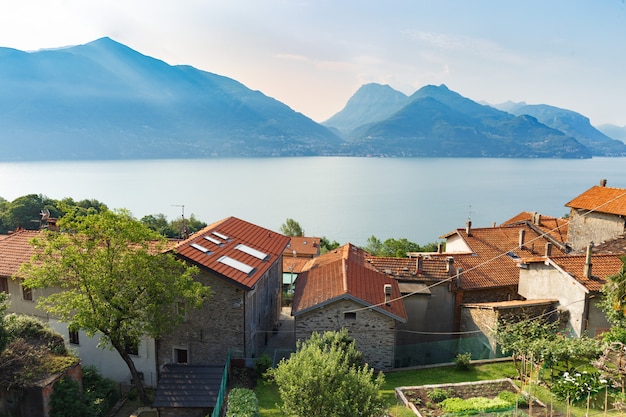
184	233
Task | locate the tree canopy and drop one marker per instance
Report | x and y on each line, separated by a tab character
116	279
291	228
397	248
325	378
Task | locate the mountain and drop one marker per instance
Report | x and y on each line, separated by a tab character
612	131
371	103
103	100
574	125
439	122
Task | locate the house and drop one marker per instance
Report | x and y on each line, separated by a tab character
597	215
486	261
575	282
424	282
243	265
15	250
340	289
295	257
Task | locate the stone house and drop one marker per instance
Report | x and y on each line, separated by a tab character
242	263
424	282
575	282
15	250
597	215
299	251
340	289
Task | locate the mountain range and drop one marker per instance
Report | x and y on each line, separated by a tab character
104	100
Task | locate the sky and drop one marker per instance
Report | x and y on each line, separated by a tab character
313	55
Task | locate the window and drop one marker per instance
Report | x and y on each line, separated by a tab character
180	356
349	315
27	293
4	285
181	310
74	338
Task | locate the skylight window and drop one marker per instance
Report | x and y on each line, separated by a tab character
221	236
201	248
251	251
240	266
213	240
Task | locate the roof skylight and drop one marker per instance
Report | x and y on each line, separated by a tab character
201	248
251	251
240	266
213	240
221	236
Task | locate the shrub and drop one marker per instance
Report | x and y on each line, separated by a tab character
438	395
473	405
514	398
242	402
462	361
262	364
100	393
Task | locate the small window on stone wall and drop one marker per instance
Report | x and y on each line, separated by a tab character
181	356
349	315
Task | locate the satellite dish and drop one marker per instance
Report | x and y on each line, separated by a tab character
45	214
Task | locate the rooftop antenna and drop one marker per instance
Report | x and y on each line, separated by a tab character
469	213
184	233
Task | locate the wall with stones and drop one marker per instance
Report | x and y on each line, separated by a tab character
373	332
585	227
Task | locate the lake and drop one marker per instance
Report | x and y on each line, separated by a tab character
344	199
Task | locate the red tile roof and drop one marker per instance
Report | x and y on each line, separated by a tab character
433	267
230	241
295	265
602	199
15	250
304	246
557	228
345	274
495	251
602	267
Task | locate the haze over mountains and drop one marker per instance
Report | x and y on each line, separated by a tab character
103	100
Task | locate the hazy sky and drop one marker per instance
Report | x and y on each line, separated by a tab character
314	54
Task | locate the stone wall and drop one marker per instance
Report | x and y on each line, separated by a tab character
210	332
586	227
373	332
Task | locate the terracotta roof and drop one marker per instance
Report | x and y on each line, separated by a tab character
295	265
15	250
556	227
234	249
614	246
344	274
602	266
601	199
495	251
304	246
433	268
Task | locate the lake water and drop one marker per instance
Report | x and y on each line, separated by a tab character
344	199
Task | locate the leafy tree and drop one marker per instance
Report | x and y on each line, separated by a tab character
25	211
291	228
321	379
159	223
614	300
396	247
326	245
4	334
186	226
116	280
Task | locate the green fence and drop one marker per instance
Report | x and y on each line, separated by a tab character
444	351
217	411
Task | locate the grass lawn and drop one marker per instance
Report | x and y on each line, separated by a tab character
269	400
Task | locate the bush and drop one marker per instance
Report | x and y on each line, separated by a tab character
514	398
438	395
242	402
100	393
473	405
262	364
462	361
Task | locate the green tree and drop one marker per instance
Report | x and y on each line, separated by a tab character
326	245
614	302
116	277
397	248
291	228
321	379
25	211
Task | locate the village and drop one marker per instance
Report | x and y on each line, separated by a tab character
270	291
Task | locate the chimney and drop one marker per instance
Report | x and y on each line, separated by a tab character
387	293
587	270
536	218
468	227
548	249
603	183
419	264
522	232
450	265
439	247
459	276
